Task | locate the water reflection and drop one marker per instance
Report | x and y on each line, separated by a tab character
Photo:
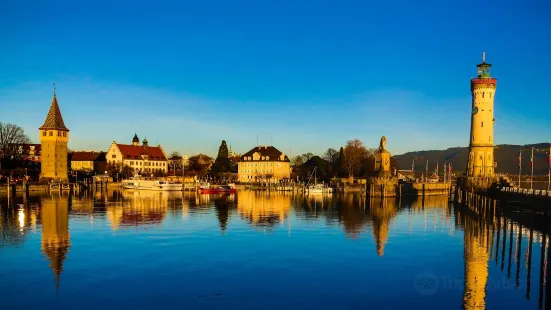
475	246
135	208
56	239
501	247
263	209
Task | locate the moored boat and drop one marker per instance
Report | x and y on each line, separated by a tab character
320	189
222	189
154	185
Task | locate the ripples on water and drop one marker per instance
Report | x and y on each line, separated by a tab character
255	250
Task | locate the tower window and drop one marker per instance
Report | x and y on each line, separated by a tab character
490	95
65	134
51	133
44	133
59	134
482	124
482	94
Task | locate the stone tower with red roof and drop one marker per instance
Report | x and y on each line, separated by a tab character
54	137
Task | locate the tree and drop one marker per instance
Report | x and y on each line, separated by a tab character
222	163
127	172
354	152
340	168
11	137
199	164
306	157
331	156
175	161
321	166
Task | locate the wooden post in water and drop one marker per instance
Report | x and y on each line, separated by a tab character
510	251
529	272
548	283
498	237
504	245
519	249
542	267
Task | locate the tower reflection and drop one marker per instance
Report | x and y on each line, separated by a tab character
382	213
476	263
55	232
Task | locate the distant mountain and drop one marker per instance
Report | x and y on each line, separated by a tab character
506	156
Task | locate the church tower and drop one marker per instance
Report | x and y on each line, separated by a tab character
136	140
481	145
54	137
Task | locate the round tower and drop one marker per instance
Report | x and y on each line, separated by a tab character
481	145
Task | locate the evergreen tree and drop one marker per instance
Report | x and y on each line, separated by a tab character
222	163
340	166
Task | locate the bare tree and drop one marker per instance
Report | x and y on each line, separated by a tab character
331	155
354	151
11	137
175	161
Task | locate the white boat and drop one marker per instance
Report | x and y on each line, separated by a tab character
154	185
204	185
320	189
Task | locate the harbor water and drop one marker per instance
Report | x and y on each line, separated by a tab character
259	250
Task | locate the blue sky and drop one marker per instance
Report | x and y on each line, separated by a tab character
310	74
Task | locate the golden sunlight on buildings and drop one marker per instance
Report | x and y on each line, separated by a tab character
54	137
55	232
140	208
263	209
263	164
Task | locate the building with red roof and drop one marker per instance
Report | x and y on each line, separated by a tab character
143	159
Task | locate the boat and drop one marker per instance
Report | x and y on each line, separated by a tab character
222	189
318	188
154	185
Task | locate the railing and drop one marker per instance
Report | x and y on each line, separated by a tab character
524	191
484	80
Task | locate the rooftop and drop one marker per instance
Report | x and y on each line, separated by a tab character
270	152
54	120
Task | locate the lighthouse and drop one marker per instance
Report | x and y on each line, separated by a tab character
481	145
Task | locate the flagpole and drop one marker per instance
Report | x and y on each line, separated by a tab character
427	169
445	179
532	166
